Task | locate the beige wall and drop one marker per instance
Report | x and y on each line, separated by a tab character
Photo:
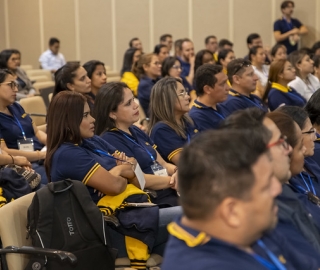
101	29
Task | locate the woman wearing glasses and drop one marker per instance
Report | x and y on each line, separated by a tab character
148	70
170	126
171	67
116	112
277	92
19	135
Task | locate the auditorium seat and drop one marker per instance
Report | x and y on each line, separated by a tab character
40	72
26	67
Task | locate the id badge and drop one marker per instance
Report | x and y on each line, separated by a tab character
26	145
158	169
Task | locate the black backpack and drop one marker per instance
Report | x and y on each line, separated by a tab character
62	216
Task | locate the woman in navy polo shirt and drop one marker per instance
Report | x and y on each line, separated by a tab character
116	112
313	110
170	126
19	135
277	92
148	71
74	152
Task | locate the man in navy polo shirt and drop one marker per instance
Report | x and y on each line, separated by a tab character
227	192
243	82
212	88
288	30
187	59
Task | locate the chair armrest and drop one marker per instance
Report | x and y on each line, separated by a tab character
53	253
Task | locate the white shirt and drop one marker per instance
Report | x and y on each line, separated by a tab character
305	89
263	76
51	61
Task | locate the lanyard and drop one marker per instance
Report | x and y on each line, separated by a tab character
109	156
142	146
188	137
255	104
275	265
311	184
217	113
22	131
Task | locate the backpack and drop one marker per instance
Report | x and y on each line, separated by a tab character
62	216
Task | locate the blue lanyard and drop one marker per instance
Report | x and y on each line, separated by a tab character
311	184
142	146
255	104
275	265
188	137
220	115
18	123
108	155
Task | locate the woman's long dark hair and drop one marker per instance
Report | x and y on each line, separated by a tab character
128	60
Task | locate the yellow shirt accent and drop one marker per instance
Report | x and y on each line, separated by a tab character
132	81
280	87
94	168
215	57
191	241
173	153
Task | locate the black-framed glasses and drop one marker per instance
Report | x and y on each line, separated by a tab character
283	140
12	84
243	64
311	131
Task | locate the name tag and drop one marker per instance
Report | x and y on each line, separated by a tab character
158	169
26	145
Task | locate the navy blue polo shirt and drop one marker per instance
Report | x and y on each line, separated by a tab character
190	249
237	101
80	162
206	117
10	130
282	95
283	26
185	68
135	148
144	92
187	86
168	142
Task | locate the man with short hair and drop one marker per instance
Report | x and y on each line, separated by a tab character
166	39
224	44
287	30
211	89
211	44
51	59
187	59
243	82
227	192
136	43
254	40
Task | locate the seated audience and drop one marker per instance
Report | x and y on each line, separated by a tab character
98	75
316	60
166	39
294	221
313	109
177	46
258	59
229	229
10	59
305	83
148	70
116	112
131	57
136	43
51	59
278	52
316	48
19	136
171	67
211	44
203	57
187	59
225	56
170	126
73	77
223	44
254	40
161	51
212	89
277	92
243	82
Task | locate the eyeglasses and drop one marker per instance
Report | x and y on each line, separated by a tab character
12	84
243	64
282	141
183	94
177	67
311	131
157	63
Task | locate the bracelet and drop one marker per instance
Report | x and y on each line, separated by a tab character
11	158
175	169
